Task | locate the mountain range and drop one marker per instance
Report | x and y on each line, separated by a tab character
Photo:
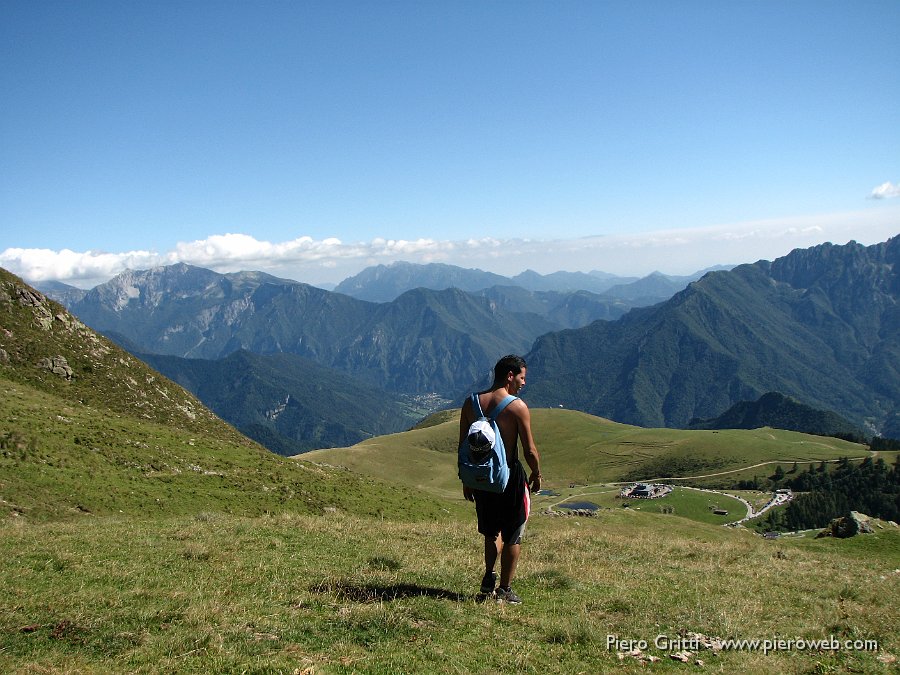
423	341
820	325
404	358
401	345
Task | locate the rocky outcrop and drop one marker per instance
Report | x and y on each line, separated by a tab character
58	366
30	298
848	526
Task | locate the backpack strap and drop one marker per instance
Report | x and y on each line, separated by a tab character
502	406
476	406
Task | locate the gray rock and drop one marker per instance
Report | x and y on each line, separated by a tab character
58	366
33	299
848	526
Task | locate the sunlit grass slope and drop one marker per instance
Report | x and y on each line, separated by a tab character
61	460
340	593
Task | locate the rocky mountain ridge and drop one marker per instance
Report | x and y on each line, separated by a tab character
384	283
821	325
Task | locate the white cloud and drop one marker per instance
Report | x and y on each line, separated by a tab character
885	191
40	264
330	260
230	252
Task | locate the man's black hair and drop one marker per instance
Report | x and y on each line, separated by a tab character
509	363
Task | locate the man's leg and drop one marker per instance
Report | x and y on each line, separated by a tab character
509	558
489	580
491	551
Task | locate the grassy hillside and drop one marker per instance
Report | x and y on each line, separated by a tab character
60	459
579	448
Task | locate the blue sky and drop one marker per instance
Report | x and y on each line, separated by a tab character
311	139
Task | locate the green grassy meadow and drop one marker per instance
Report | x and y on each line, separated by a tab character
135	547
339	593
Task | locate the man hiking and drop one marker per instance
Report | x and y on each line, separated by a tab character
502	516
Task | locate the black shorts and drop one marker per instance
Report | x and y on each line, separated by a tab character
505	513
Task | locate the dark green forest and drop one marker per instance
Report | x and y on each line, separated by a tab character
871	487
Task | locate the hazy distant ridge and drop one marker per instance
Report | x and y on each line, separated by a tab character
383	283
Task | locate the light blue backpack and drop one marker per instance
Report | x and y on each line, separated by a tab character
482	455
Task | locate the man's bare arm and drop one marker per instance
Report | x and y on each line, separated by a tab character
466	416
529	449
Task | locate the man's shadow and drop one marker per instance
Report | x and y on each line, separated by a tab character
386	593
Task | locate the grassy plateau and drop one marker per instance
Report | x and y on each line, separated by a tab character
579	449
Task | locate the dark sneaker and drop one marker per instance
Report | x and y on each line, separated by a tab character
508	595
488	583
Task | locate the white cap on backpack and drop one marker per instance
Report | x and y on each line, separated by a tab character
481	435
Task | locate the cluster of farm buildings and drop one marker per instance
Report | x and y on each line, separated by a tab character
645	490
